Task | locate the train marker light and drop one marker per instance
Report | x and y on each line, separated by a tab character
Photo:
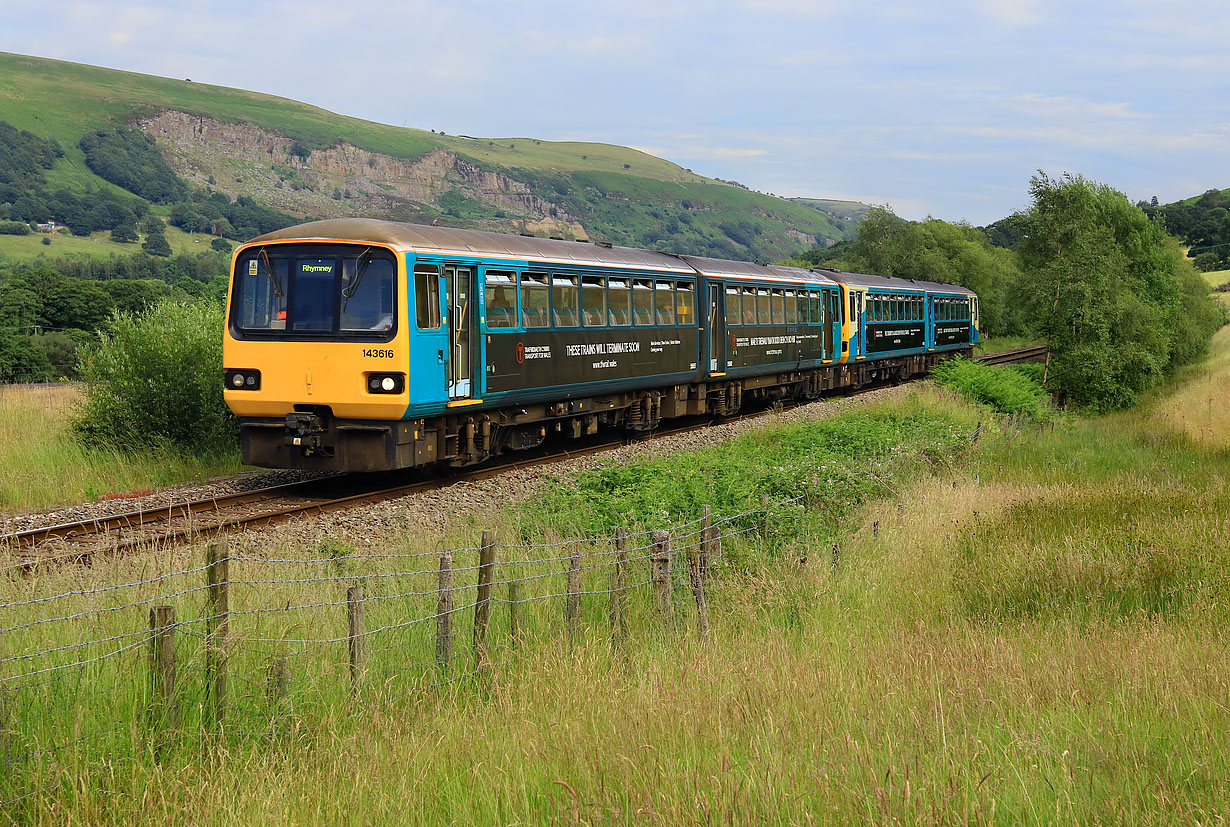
387	384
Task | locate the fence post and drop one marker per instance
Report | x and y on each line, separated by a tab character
764	507
354	614
218	578
660	560
444	612
279	679
619	585
482	606
706	540
514	613
836	556
164	710
696	571
572	603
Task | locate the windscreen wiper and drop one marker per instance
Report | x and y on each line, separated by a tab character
271	273
364	259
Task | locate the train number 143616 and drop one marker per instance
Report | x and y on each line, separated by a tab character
378	353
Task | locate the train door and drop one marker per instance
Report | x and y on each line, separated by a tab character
715	331
857	348
459	288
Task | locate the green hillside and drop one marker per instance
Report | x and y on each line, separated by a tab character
210	136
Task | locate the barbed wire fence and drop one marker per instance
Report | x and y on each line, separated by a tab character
244	645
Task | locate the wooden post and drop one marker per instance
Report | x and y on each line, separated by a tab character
482	605
514	613
572	604
279	679
836	556
660	561
164	711
706	541
764	526
619	585
444	612
875	528
696	570
354	614
218	579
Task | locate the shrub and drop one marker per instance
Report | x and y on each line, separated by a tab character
1007	390
155	378
14	228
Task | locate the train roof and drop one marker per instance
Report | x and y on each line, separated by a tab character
747	269
421	238
893	283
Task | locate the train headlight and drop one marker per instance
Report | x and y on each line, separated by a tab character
386	383
243	379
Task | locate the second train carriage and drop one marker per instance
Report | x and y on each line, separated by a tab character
361	345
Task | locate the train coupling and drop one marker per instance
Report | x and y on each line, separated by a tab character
304	429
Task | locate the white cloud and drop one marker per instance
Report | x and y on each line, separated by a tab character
1011	12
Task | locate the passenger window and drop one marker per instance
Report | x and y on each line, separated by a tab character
764	307
734	307
896	310
685	305
621	302
427	296
749	304
501	298
642	302
535	300
814	300
666	302
779	307
593	300
564	301
792	307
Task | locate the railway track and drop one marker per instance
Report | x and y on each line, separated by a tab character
188	520
1020	354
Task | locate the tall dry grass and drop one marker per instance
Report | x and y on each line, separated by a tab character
1200	409
43	464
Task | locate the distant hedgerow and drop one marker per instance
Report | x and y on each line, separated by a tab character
155	378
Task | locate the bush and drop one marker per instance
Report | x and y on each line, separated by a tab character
1007	390
155	378
14	228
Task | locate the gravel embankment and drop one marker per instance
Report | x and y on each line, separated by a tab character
428	513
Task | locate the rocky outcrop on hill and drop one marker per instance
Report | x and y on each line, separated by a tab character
345	180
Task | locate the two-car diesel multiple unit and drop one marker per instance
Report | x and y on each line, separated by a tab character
362	345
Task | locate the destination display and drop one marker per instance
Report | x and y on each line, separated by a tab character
886	336
772	345
548	358
952	333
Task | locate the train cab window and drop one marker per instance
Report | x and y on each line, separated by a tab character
313	295
666	301
262	290
535	300
501	298
367	294
564	301
792	307
593	301
685	304
642	302
764	306
621	302
749	304
427	296
734	307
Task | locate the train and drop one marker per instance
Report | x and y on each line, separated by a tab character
368	345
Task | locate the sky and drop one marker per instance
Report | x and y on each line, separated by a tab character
932	108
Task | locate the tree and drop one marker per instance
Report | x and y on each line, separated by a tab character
221	245
1108	291
124	234
156	245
